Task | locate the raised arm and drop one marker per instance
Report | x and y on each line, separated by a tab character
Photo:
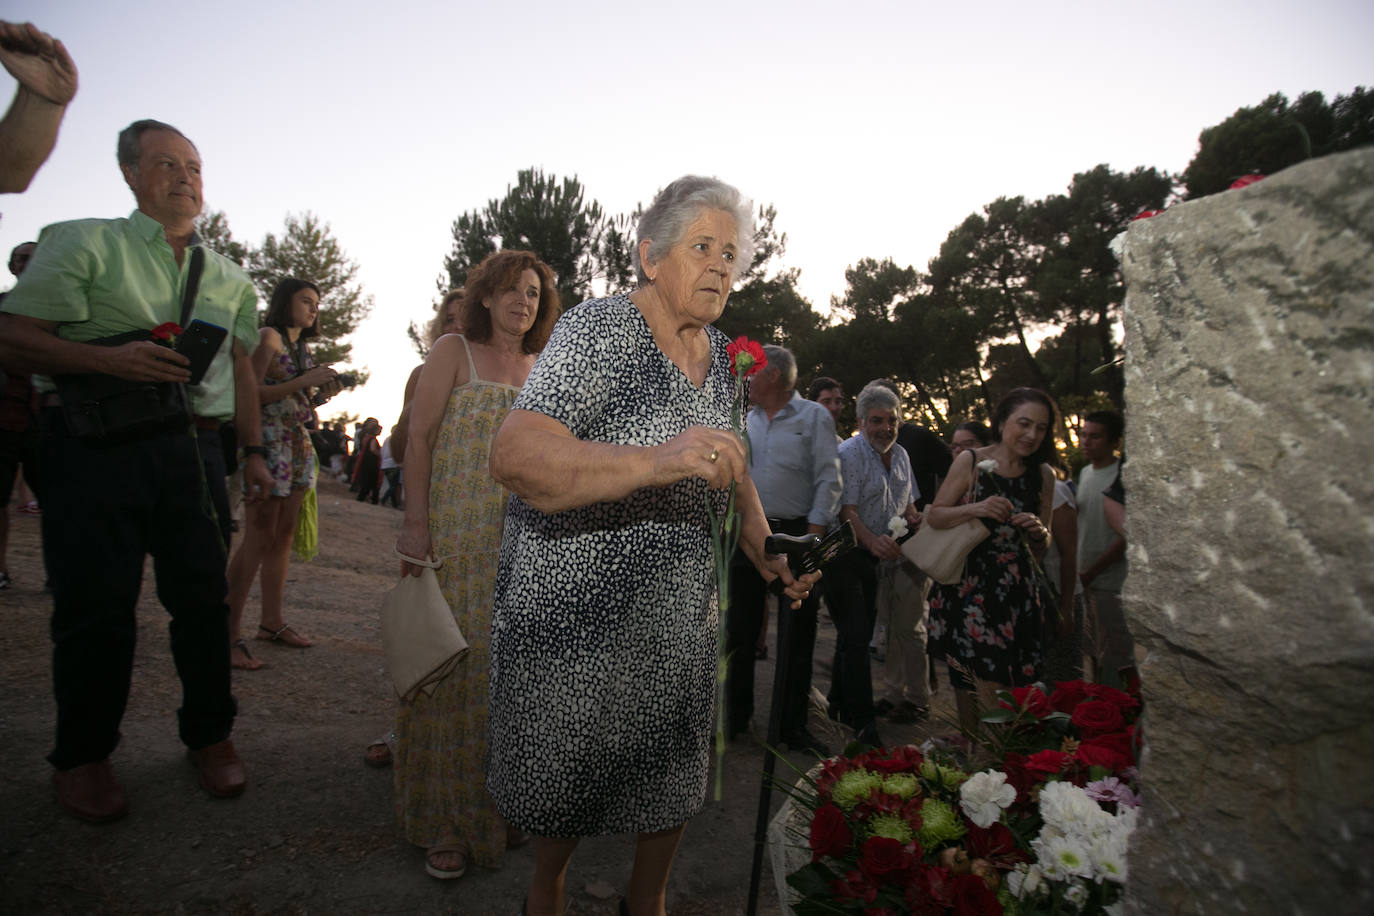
47	82
539	459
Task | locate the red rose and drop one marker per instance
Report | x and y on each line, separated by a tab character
746	356
830	835
1118	698
1097	755
1050	763
997	844
854	886
1097	717
1032	700
1067	695
1118	742
1244	180
882	859
929	890
972	897
1146	214
166	331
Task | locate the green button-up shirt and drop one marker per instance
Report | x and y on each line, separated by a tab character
99	277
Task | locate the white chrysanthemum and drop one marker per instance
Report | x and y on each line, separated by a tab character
1014	879
988	464
1068	809
1108	856
984	795
1066	857
1076	894
896	526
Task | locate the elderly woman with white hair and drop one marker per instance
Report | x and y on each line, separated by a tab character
604	632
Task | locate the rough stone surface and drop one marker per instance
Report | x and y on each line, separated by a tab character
1250	381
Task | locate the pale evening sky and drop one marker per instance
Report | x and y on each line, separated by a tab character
873	127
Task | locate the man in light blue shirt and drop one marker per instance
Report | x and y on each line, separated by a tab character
878	490
796	469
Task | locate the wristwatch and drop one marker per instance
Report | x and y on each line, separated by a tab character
259	450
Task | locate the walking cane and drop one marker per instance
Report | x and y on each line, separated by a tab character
805	554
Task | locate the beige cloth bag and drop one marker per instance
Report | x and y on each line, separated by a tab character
421	639
941	552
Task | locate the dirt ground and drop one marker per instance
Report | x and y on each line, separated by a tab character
314	833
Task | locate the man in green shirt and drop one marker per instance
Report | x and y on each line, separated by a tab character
112	503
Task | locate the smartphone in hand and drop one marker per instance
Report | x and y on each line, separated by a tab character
199	343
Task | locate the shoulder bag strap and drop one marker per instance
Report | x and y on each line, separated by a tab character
188	300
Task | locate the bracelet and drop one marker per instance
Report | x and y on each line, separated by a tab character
259	450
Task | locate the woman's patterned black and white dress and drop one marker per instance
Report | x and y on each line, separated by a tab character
603	647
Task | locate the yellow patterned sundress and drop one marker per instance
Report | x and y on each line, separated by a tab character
441	740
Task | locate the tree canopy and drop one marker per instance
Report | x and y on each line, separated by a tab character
308	250
553	218
1274	134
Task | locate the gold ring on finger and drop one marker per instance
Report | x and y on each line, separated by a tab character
715	454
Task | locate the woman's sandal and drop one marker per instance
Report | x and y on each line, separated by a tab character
440	849
249	663
287	636
380	758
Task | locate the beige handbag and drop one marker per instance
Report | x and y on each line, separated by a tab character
421	639
941	552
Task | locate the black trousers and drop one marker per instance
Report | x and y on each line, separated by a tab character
212	462
107	507
851	594
747	595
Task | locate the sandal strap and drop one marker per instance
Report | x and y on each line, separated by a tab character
242	645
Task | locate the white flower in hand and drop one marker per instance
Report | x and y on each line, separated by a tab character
896	527
988	464
984	795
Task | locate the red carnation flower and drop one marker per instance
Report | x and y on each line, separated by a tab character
1244	180
746	356
167	331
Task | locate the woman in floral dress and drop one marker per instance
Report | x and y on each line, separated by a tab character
454	513
989	625
286	380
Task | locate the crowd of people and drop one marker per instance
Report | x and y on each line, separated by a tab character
562	468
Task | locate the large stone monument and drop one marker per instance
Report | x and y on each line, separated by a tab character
1250	495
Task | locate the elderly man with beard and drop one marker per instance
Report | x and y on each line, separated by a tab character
878	488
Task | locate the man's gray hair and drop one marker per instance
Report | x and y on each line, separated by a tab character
676	206
876	396
128	148
781	359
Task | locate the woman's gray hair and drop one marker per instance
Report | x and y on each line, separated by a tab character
676	206
879	396
781	359
128	149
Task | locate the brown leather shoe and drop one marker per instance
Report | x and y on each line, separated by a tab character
221	771
91	792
